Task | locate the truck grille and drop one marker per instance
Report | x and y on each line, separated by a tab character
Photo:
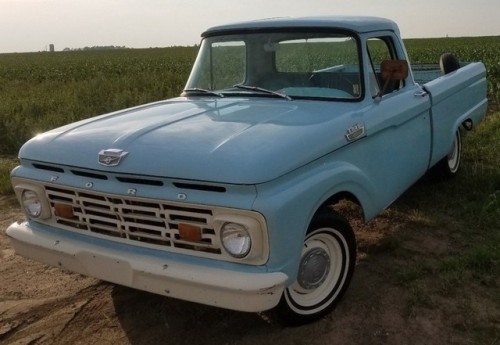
140	221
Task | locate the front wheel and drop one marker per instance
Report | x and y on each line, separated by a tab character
325	270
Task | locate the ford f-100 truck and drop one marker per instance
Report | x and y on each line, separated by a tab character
223	195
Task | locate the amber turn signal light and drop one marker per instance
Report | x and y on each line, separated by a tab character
64	211
189	232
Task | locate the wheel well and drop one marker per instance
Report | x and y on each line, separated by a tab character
345	203
467	124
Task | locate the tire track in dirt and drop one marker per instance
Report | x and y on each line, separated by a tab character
44	320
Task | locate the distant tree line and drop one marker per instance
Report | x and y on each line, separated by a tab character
95	48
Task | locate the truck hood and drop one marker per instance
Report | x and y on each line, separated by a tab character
240	141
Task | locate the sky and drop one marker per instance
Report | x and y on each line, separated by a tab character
31	25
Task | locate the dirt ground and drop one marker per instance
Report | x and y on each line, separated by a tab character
44	305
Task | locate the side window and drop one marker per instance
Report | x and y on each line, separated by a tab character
380	49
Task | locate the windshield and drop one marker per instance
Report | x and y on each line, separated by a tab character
288	65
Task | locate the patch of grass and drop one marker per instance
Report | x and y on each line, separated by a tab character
473	197
482	259
481	264
418	297
487	335
411	272
387	244
7	163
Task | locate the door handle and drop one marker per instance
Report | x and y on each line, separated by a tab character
420	93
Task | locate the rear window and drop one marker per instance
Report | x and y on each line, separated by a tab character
316	54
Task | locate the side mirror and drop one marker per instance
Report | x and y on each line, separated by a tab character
392	70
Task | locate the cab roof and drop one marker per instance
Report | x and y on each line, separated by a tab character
360	24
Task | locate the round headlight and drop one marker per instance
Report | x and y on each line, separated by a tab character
236	239
31	203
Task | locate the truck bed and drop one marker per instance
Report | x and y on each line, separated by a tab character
424	73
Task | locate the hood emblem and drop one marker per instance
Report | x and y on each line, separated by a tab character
111	157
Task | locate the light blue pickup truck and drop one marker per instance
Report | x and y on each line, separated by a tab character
223	195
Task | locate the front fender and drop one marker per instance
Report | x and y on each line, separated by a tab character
290	202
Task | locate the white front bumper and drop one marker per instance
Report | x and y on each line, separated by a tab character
250	292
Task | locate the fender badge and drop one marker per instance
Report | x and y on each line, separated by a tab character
355	132
111	157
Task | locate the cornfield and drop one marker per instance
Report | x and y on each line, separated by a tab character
485	49
40	91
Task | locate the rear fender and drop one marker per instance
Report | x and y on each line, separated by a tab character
456	97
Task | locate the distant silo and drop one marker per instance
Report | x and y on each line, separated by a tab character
51	48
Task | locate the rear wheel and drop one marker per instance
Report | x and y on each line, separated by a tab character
449	165
325	270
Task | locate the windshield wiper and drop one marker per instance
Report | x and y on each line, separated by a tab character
196	89
260	89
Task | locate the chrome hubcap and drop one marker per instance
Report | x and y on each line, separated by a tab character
314	268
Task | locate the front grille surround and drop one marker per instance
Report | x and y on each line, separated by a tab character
150	223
